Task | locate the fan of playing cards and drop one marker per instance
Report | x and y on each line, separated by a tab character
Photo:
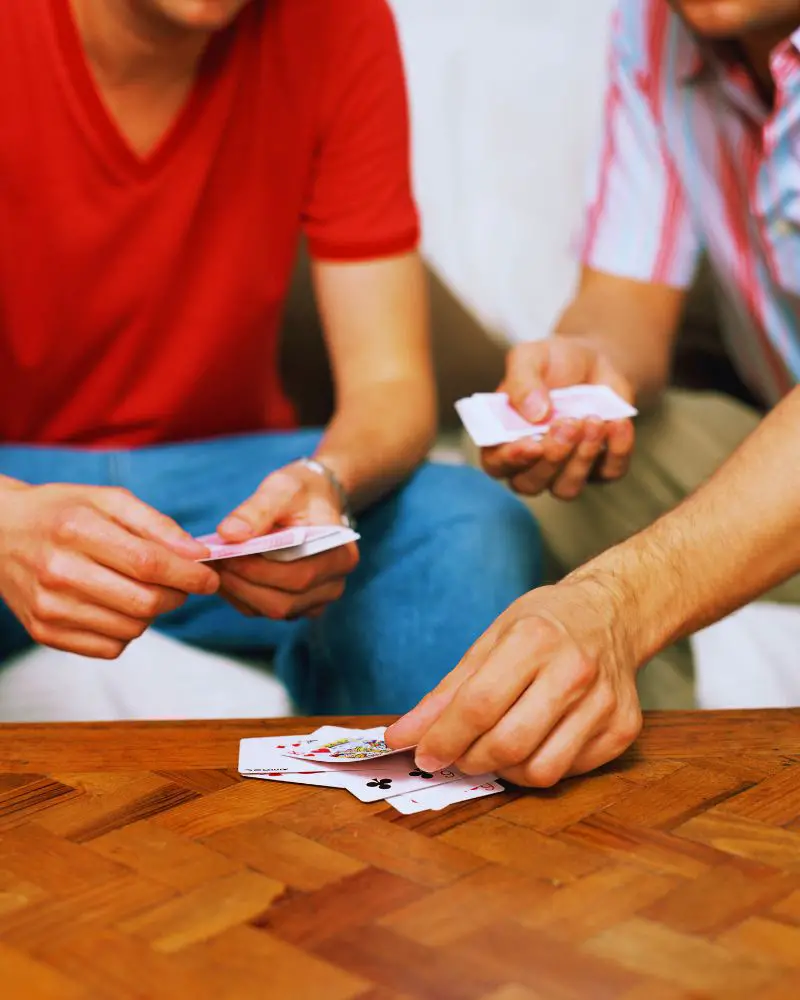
359	761
491	420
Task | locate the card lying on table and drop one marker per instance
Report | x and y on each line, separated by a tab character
491	420
286	545
359	762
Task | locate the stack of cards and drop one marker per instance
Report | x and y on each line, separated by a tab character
359	761
286	545
491	420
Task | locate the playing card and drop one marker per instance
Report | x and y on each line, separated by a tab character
365	746
286	545
491	420
321	779
314	546
460	790
398	776
270	754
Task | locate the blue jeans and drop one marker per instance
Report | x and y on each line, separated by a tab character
442	557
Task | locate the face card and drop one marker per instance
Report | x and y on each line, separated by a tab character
366	746
262	754
460	790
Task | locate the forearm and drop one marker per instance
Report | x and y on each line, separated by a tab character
733	540
378	437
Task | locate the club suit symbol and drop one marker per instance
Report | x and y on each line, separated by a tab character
419	774
384	783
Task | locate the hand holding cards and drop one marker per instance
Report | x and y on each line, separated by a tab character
359	762
490	419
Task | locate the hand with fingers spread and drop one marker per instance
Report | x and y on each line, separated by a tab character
548	691
87	569
294	495
573	452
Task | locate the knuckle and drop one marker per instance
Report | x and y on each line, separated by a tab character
134	630
568	490
44	606
543	773
475	713
146	562
70	523
278	606
111	649
508	751
527	486
582	673
627	729
606	703
149	604
39	631
53	573
306	578
117	495
535	630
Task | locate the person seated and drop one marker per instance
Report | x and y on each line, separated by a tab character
159	162
699	125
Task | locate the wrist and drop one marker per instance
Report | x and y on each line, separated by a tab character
644	618
320	466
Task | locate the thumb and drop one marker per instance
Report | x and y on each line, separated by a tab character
526	367
271	503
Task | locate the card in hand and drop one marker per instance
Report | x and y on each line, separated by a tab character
285	545
490	419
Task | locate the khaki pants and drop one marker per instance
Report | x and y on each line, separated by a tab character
679	445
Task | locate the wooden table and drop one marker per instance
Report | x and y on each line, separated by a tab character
134	862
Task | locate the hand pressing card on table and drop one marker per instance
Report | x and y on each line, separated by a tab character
357	761
491	420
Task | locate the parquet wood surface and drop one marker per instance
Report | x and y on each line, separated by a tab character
136	863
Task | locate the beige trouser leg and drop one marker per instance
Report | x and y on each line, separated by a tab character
678	446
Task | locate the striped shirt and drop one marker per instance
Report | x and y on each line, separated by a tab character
693	160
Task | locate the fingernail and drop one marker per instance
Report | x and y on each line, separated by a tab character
235	526
566	432
536	406
430	764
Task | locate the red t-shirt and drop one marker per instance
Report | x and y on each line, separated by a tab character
140	299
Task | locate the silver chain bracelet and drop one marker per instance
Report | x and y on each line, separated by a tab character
321	469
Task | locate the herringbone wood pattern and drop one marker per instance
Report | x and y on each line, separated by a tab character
135	863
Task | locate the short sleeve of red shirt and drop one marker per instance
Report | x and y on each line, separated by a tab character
360	204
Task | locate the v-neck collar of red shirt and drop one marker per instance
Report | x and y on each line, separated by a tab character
111	141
